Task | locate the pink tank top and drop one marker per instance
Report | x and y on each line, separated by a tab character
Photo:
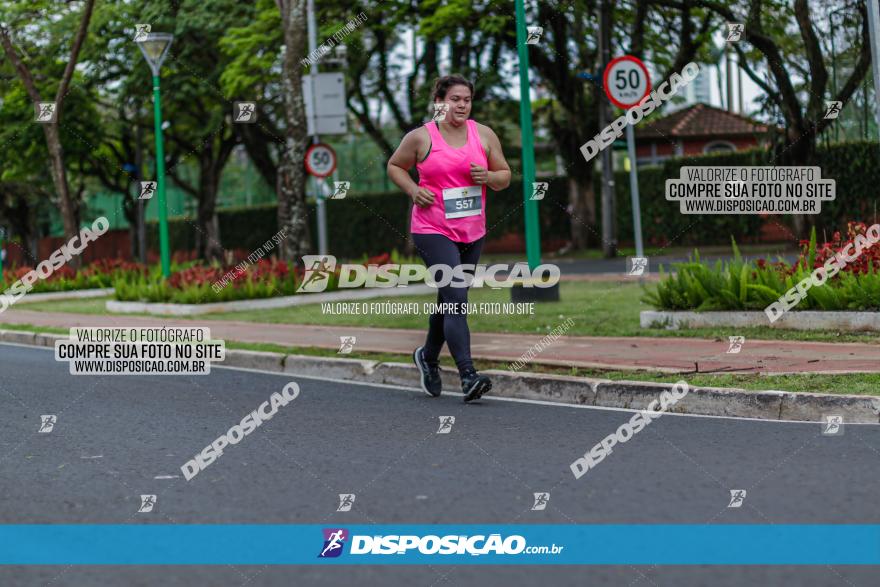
459	208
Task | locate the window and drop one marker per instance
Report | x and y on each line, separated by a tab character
719	147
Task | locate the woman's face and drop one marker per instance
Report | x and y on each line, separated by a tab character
459	100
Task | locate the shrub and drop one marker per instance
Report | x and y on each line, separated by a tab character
100	274
194	283
739	285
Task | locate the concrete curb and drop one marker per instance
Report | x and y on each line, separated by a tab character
807	320
637	395
159	309
75	294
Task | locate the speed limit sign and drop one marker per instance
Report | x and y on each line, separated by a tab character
626	81
320	160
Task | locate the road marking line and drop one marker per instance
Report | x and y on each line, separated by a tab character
529	401
491	398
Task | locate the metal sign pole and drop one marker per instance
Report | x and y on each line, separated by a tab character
320	203
634	189
627	94
874	30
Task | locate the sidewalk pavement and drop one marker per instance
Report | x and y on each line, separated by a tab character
670	355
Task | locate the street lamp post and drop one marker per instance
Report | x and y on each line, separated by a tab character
533	235
155	46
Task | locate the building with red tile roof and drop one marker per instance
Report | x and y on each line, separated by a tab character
696	130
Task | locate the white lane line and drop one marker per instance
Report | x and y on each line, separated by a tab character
530	401
497	399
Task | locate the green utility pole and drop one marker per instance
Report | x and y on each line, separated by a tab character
533	234
154	47
160	182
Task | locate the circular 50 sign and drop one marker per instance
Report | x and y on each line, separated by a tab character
320	160
626	81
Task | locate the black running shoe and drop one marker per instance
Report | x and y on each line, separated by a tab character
474	385
430	374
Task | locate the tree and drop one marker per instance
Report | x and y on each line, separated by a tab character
373	76
19	202
292	212
254	51
68	204
792	52
568	48
199	132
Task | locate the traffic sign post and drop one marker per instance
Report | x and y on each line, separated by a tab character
626	83
320	162
324	96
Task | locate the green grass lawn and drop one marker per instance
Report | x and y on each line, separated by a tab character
858	384
597	309
771	250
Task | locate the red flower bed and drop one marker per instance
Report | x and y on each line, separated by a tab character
195	275
382	259
270	268
263	271
870	257
111	266
103	267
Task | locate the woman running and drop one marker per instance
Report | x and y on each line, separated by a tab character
456	159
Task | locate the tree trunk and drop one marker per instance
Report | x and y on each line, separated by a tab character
583	227
208	245
292	211
800	150
133	241
69	208
257	144
582	210
130	212
20	217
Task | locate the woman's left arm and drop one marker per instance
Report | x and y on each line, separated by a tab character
499	170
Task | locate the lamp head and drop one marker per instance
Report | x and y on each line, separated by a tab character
155	47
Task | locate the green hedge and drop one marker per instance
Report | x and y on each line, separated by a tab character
854	166
662	223
366	224
376	222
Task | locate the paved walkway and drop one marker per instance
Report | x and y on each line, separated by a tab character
673	355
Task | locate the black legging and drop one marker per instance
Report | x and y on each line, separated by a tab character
452	328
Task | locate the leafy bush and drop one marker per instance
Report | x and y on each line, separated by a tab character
100	274
194	283
740	285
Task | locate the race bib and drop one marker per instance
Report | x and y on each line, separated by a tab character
461	202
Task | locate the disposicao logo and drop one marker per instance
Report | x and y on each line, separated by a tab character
334	541
319	269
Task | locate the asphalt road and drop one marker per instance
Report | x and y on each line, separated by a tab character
116	436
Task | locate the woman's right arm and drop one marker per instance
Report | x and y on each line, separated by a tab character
399	165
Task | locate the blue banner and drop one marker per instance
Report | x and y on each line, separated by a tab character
253	544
